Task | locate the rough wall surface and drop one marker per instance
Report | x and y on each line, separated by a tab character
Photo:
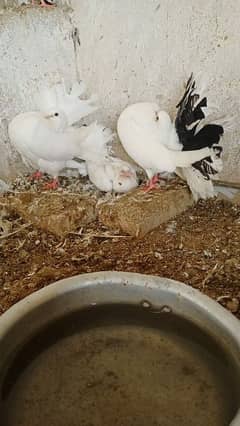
35	48
130	51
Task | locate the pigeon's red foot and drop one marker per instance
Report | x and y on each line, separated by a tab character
54	184
44	4
152	183
36	176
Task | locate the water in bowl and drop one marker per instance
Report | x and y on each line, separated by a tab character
117	366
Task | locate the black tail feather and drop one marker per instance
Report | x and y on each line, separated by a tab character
208	136
206	166
189	115
189	87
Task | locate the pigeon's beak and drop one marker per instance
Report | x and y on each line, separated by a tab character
49	116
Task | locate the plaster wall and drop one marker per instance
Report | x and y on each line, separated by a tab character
131	50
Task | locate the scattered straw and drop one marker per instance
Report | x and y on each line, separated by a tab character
2	237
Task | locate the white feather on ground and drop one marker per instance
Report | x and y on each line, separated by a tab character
4	187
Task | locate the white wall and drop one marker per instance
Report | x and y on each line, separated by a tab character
35	48
131	50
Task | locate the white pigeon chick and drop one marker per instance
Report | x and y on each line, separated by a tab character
152	141
112	175
47	140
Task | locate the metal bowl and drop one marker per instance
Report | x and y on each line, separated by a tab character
153	294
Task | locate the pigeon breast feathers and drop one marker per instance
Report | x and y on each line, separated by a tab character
150	139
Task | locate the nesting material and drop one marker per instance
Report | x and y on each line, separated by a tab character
236	198
54	212
200	247
137	212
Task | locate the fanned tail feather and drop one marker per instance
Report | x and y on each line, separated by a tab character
199	186
192	116
228	122
59	98
197	128
46	100
96	144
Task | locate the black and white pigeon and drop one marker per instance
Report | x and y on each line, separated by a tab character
159	145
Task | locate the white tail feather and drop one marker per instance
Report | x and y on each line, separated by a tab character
199	186
95	146
213	112
58	98
46	100
201	86
187	158
229	123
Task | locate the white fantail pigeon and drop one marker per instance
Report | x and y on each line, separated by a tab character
158	145
47	140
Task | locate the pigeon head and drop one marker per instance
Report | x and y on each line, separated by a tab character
125	180
144	114
58	120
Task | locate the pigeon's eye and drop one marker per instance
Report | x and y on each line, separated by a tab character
120	183
56	114
156	116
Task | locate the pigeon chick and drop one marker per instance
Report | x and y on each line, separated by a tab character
110	174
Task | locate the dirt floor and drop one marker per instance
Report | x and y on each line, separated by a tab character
201	247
